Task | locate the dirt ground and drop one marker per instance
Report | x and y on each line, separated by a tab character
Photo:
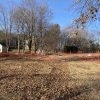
53	77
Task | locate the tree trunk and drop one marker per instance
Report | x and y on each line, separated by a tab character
18	43
23	44
30	45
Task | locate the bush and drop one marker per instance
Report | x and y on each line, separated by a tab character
72	49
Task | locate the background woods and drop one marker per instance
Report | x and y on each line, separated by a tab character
27	27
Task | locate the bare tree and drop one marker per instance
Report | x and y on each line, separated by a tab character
6	21
17	18
44	16
52	38
29	21
77	37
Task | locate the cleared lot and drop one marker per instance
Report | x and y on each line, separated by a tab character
49	78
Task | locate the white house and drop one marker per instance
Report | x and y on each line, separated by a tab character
3	48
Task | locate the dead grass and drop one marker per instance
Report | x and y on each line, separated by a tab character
86	74
31	80
54	78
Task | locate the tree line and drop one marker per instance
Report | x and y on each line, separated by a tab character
28	24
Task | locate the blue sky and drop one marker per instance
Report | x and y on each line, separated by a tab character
63	13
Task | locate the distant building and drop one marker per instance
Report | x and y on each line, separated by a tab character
26	45
3	48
